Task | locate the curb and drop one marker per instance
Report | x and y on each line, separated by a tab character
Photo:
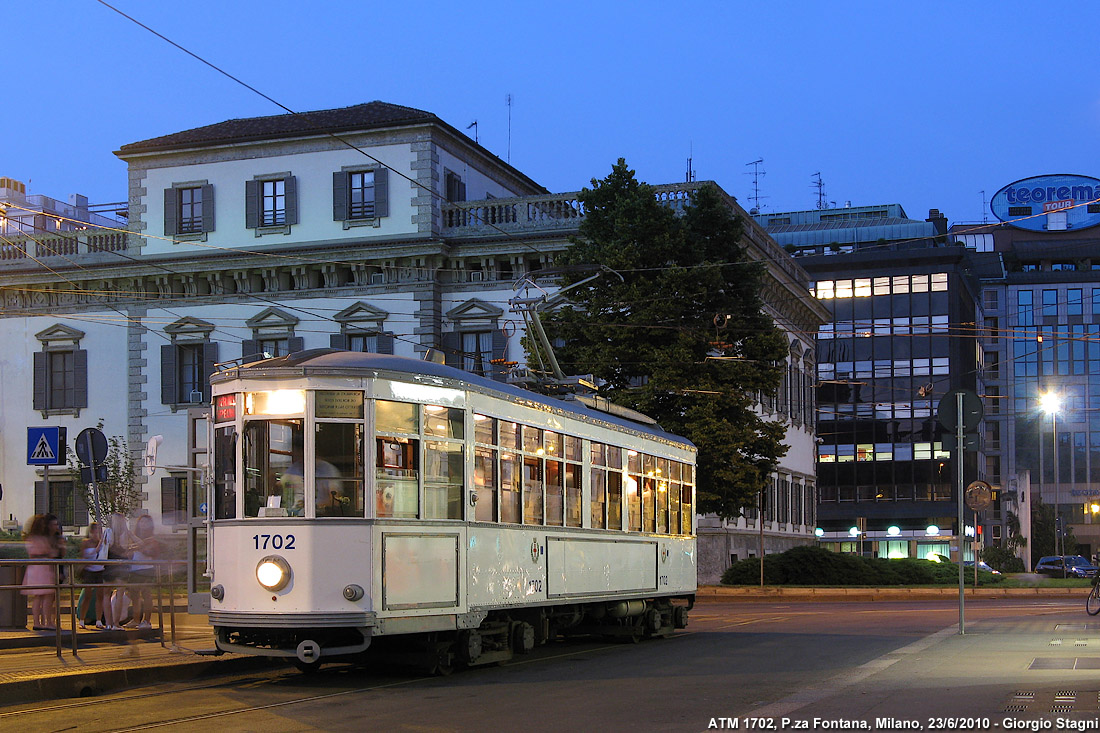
772	593
57	686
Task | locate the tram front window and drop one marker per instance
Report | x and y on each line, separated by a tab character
225	473
273	468
338	470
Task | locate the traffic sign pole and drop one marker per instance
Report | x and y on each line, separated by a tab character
959	427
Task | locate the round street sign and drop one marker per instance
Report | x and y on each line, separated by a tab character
979	495
948	409
91	446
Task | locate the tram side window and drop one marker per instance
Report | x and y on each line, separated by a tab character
511	474
225	473
443	479
273	467
614	487
634	491
509	435
554	507
573	495
663	474
686	511
599	496
649	491
338	471
532	489
675	496
396	477
485	484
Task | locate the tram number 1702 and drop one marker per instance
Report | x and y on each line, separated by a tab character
273	541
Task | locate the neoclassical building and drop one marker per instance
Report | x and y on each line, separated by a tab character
374	228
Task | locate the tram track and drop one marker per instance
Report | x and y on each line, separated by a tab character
252	681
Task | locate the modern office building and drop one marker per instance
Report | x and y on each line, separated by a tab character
904	306
1041	335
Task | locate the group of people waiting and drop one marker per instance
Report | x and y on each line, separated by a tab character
114	582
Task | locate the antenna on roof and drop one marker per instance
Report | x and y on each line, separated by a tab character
985	208
508	101
689	177
822	202
473	125
756	173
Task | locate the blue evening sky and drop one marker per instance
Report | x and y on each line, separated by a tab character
921	103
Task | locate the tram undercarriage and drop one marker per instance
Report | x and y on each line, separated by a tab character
502	635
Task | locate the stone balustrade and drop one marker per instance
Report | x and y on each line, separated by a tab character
68	244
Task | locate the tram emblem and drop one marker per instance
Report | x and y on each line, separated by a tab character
534	550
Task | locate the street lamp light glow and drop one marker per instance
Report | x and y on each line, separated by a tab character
1050	402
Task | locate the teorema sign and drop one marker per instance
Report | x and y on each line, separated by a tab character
1049	203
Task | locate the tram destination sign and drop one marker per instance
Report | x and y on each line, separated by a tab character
339	403
1049	203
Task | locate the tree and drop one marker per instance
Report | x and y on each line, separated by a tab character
682	337
1042	532
119	493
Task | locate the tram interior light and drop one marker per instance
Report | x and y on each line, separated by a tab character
893	530
275	402
854	531
1094	508
819	532
932	530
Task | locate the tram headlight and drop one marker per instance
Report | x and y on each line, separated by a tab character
273	573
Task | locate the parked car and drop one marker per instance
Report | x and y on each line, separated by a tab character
1075	566
982	565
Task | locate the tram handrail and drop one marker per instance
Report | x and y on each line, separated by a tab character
71	564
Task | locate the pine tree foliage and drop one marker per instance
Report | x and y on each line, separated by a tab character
683	336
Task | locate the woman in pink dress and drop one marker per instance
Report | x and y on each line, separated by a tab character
41	544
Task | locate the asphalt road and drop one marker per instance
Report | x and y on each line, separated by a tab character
824	664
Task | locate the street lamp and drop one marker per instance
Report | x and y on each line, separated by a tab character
1050	403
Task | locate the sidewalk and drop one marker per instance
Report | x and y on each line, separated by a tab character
30	669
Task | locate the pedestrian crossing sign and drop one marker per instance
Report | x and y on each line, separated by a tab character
46	446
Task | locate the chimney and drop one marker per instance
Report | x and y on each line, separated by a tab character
938	220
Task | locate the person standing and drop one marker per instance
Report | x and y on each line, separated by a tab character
91	574
40	545
145	547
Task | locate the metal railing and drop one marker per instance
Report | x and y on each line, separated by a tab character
70	565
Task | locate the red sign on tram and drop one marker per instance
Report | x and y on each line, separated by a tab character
225	407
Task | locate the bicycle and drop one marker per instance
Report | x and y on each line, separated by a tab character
1092	603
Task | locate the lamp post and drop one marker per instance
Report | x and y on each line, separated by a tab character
1050	403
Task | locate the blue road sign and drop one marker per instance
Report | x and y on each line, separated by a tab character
46	446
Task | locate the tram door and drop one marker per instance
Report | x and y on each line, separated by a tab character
198	585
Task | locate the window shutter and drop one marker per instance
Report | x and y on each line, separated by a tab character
80	506
171	212
500	351
451	345
381	192
169	375
291	190
41	497
385	342
80	378
208	207
250	351
209	359
338	341
168	506
339	196
38	401
295	343
251	204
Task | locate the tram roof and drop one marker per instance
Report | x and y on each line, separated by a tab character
322	362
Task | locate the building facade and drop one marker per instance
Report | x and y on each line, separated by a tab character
375	228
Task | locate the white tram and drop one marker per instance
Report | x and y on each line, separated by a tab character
360	498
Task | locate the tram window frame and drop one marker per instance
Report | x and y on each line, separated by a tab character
486	475
272	483
553	484
401	476
533	484
598	497
339	495
633	489
225	471
511	485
